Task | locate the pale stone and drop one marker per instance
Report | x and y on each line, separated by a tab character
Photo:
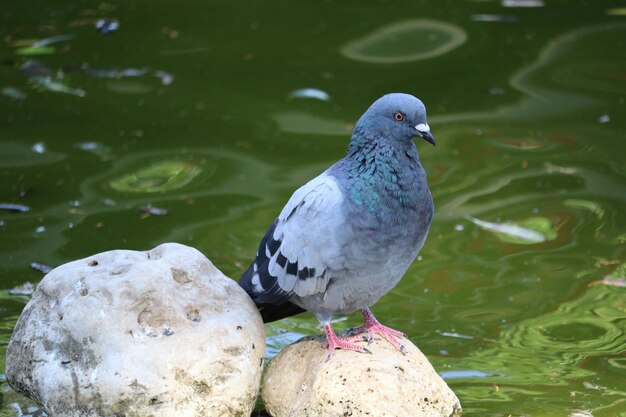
301	382
125	333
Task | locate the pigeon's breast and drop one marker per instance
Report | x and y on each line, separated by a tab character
393	208
378	248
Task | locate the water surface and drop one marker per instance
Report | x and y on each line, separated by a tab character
190	122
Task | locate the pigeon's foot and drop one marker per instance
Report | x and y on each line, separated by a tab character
373	327
391	335
346	343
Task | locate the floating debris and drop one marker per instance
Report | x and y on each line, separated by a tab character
26	288
41	46
457	335
56	86
107	26
93	147
523	3
20	208
153	211
102	151
52	39
114	73
610	282
312	93
494	18
13	93
165	77
529	231
591	385
464	374
605	118
39	147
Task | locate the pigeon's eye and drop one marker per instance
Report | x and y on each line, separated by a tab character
398	116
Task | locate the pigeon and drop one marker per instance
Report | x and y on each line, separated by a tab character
346	238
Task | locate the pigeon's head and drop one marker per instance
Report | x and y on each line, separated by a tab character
397	116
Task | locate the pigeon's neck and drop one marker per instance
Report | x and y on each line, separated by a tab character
384	159
383	175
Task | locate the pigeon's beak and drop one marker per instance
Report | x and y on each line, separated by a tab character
423	131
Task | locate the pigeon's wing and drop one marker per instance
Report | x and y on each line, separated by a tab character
300	246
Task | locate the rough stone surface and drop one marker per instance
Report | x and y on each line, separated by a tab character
300	382
125	333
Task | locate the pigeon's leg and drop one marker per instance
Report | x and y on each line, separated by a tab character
372	326
335	342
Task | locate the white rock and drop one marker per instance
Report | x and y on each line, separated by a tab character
300	382
125	333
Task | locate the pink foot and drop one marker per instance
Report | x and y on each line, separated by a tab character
373	327
335	342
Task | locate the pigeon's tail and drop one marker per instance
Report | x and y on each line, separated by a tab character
269	311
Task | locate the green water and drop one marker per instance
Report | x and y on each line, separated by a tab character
527	105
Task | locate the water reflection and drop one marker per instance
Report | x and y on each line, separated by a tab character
557	175
16	154
158	177
305	123
562	342
405	41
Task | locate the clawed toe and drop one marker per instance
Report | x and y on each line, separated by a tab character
367	333
391	335
346	343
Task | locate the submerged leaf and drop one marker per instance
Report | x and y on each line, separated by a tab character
618	11
36	50
159	177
